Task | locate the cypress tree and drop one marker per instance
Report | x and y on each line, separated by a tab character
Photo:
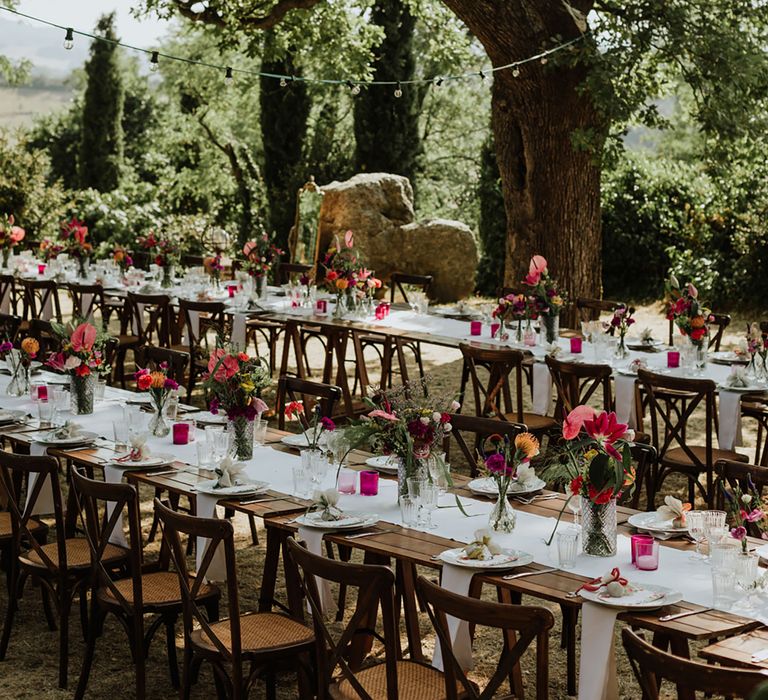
284	118
387	127
101	144
492	226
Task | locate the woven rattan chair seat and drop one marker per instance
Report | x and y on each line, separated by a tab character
157	588
534	421
260	632
415	681
78	554
5	525
680	460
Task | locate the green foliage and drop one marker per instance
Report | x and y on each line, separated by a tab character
492	226
101	146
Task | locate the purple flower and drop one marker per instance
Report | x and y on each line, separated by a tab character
739	533
213	407
170	384
6	346
497	464
327	424
420	430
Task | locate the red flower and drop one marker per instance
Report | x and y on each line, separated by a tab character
600	497
445	418
606	430
243	357
698	333
82	370
144	382
576	485
294	408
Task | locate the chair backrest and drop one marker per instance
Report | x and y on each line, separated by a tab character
92	497
42	332
717	324
589	309
399	281
201	318
41	300
188	260
8	294
149	317
651	665
375	589
577	383
645	458
483	428
499	363
9	326
175	360
15	472
529	624
87	299
310	393
219	533
731	474
286	271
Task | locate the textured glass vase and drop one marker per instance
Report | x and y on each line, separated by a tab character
598	523
404	472
242	432
550	329
19	384
502	518
81	394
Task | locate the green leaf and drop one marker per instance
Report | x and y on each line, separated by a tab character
461	507
600	471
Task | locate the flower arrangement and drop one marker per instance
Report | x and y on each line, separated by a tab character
319	426
19	362
82	357
235	380
71	240
10	236
164	254
122	257
745	510
757	346
261	254
545	298
512	307
596	463
214	268
686	310
621	321
345	272
159	385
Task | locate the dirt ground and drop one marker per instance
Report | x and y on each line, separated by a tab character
30	669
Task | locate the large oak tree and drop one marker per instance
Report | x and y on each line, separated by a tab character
554	121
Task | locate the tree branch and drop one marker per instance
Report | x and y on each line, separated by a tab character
209	15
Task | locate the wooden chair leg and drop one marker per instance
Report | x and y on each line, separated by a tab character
65	605
90	650
254	531
10	610
510	639
170	644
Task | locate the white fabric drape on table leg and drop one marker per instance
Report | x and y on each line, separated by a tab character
206	508
44	504
313	538
597	665
456	579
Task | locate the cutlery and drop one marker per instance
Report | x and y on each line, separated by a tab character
677	616
528	501
166	471
266	500
509	577
368	534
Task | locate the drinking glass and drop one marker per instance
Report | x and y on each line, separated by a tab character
220	445
695	520
347	481
204	454
98	390
722	554
136	421
120	433
260	432
409	510
301	480
45	413
424	494
428	498
439	471
714	521
337	445
723	583
574	505
567	545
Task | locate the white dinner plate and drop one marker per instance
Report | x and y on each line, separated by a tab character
751	389
10	416
507	559
383	463
727	357
644	597
249	489
487	487
148	463
211	418
82	438
303	439
640	345
350	521
653	522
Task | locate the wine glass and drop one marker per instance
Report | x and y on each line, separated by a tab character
439	470
696	530
428	501
417	490
714	524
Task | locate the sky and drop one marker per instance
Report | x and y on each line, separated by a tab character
44	45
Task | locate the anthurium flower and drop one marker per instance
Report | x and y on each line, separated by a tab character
606	430
574	421
83	338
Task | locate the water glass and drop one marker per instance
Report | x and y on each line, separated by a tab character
722	554
347	482
723	584
61	399
45	413
204	454
260	432
120	433
696	530
409	510
567	546
98	389
301	481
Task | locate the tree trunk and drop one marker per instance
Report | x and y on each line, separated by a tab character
551	189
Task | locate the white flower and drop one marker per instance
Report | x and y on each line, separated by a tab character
330	496
425	420
447	427
746	499
72	362
455	405
436	417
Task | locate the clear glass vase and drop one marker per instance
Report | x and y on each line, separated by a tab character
621	349
550	329
81	393
19	384
502	518
157	424
405	472
598	523
314	463
242	431
167	281
261	286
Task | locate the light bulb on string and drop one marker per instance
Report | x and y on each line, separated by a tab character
482	75
228	75
69	39
515	72
438	81
154	62
283	82
544	60
354	88
399	91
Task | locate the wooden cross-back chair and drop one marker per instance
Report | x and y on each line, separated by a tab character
755	406
9	294
88	300
645	459
241	646
732	474
494	397
529	624
62	567
482	428
202	320
41	300
295	389
672	402
149	589
651	665
394	678
578	383
42	332
175	361
588	309
717	322
400	281
146	320
9	327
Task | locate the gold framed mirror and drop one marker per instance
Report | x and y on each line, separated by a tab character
304	239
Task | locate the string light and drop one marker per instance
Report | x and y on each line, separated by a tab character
154	62
228	75
437	81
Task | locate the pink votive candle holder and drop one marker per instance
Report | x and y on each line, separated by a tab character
180	433
576	345
369	483
495	329
42	392
634	541
380	312
475	327
647	555
41	268
673	358
231	290
387	308
347	481
321	306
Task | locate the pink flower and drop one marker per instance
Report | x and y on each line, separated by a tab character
17	234
574	421
739	533
227	368
606	430
378	413
692	291
536	269
83	338
72	362
349	239
259	405
755	516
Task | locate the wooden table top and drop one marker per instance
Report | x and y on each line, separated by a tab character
738	650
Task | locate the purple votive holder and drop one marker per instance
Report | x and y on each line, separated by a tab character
495	329
180	433
475	327
369	483
673	358
42	392
635	540
647	555
576	346
347	481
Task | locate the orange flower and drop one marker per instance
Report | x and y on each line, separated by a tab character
158	380
30	346
698	322
527	444
342	283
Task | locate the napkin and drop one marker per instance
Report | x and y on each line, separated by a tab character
542	389
313	538
113	475
597	668
482	547
68	430
526	473
646	336
675	510
625	400
729	430
737	378
206	508
44	503
456	579
326	503
239	331
139	450
228	472
637	364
